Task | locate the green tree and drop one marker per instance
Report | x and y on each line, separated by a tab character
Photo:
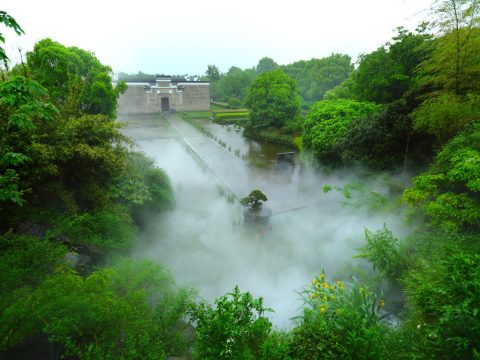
10	22
23	109
129	310
387	73
454	64
326	124
234	83
76	80
254	199
272	100
385	140
316	76
445	115
265	64
213	73
449	192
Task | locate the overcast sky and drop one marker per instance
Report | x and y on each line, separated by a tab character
184	36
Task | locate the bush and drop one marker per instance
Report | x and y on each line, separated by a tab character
25	261
235	329
446	298
144	188
128	311
339	322
326	124
382	251
234	103
112	230
448	193
276	346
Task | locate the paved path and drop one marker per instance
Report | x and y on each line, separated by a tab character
285	192
232	171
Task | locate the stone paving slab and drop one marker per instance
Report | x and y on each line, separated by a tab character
284	193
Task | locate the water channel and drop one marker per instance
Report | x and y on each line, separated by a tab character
202	240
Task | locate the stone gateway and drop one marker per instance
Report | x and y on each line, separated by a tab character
164	95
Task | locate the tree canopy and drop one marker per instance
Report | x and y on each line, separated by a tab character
272	100
327	122
75	79
316	76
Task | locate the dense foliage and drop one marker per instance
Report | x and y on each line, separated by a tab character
76	81
73	194
449	193
272	100
316	76
327	123
234	329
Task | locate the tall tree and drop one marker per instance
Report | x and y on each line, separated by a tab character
213	73
266	64
328	121
76	80
10	22
273	100
449	78
455	61
316	76
387	73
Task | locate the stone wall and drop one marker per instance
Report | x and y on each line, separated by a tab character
139	99
195	97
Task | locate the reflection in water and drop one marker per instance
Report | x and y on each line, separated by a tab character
259	154
203	246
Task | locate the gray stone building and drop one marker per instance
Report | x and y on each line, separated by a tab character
164	95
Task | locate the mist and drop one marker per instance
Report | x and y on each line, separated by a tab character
203	243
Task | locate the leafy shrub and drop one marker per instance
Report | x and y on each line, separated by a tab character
382	251
144	187
109	229
234	103
339	322
448	194
446	297
276	346
235	329
128	311
25	261
327	123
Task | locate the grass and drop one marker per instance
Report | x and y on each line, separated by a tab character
218	105
198	114
230	115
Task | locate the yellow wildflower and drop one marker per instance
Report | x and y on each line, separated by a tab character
340	284
381	303
322	276
323	309
325	285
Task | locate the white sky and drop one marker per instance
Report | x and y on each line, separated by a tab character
184	36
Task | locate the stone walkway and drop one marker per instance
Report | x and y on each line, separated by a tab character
285	191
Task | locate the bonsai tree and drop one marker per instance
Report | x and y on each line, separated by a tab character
254	200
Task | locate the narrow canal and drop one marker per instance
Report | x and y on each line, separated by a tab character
203	242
